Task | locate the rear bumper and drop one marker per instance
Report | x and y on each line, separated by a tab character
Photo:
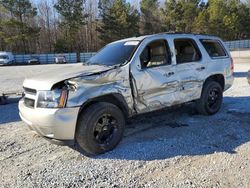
56	125
228	82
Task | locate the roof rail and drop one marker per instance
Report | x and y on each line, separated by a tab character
178	32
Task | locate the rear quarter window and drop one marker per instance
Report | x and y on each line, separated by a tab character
214	48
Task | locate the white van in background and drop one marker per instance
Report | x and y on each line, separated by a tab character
6	58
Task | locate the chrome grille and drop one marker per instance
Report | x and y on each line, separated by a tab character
29	91
29	97
29	102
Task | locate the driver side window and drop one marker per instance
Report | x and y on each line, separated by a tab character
156	53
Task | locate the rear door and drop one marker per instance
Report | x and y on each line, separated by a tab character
155	82
190	68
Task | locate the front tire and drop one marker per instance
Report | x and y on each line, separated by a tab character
211	98
99	129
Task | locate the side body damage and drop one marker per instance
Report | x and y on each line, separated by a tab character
112	83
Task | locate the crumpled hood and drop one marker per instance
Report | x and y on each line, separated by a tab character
45	81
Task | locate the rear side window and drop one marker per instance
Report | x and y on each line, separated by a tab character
214	48
186	51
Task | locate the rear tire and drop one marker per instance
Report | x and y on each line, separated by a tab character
211	99
99	129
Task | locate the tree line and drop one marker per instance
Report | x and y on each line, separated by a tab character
86	25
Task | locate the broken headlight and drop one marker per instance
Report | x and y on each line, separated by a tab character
52	99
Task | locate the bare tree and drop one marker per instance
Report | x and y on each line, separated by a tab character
45	23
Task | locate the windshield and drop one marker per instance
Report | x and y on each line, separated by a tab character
4	57
114	54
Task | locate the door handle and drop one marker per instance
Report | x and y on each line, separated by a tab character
169	74
200	68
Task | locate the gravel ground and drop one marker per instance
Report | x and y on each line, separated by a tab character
171	148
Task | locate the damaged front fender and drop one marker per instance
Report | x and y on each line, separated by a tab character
113	82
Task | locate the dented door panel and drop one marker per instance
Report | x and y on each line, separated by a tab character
191	80
155	88
191	74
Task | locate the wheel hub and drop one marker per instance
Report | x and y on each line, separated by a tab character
213	97
105	128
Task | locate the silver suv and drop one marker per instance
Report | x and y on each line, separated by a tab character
87	104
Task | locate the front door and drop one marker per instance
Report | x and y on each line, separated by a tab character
155	84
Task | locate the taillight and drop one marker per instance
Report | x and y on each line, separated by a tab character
232	65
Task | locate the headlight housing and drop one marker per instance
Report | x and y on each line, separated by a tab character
52	99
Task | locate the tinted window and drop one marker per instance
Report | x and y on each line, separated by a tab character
156	53
114	53
186	51
214	48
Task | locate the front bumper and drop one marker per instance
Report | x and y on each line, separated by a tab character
56	125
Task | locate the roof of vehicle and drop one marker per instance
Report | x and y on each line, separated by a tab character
198	35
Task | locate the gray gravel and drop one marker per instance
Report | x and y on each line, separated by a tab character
171	148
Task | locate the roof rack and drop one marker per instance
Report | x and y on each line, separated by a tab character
178	32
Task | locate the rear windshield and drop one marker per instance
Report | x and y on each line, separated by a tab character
214	48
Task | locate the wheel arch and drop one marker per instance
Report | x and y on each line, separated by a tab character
217	78
114	98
